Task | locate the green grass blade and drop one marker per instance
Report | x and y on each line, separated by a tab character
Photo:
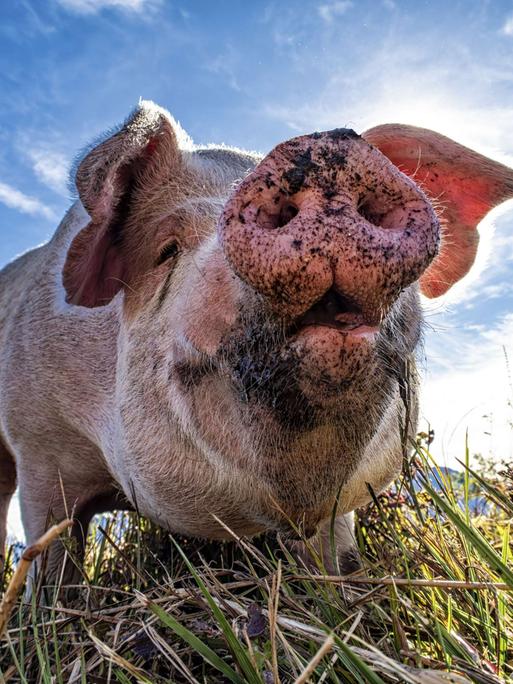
238	651
495	495
195	642
502	607
472	535
121	677
361	666
55	639
466	483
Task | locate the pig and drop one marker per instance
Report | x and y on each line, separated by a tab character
226	342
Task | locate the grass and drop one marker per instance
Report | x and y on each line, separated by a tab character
433	603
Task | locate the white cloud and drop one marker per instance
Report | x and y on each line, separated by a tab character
473	393
51	168
15	199
392	95
486	292
507	29
225	65
403	80
330	11
15	530
95	6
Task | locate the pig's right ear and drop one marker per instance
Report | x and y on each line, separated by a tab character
144	147
464	185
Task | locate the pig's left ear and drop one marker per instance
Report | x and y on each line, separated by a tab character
463	185
107	179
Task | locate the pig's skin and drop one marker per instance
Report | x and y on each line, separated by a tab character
143	399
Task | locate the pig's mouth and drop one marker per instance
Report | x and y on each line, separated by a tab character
301	369
335	310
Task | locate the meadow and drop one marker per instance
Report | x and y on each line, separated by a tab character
432	603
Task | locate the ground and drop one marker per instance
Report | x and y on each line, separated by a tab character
159	609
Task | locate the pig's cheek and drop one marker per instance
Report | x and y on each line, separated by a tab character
207	315
204	326
332	358
203	339
211	417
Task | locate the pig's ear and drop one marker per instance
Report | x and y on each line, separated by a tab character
463	185
106	177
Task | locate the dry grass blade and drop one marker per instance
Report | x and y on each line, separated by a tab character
20	574
274	598
307	672
136	672
405	582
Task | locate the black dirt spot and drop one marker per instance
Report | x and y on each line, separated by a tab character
268	181
302	167
343	134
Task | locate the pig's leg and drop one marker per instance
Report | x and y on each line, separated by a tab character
44	502
7	489
347	557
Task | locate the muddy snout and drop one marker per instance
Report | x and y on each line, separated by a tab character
327	218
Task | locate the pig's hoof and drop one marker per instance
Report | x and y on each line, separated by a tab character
347	562
350	561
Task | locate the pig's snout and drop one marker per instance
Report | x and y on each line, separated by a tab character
328	212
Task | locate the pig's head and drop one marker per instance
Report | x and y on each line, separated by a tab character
271	308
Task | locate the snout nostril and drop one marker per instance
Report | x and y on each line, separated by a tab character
287	213
393	214
371	212
272	220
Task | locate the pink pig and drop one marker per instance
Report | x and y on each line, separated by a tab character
214	336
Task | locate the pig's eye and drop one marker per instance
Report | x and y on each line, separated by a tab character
168	252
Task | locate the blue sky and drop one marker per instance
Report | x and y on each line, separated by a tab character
253	74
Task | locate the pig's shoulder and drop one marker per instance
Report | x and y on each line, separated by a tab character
34	279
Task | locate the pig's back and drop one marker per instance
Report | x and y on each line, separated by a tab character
15	280
30	282
57	361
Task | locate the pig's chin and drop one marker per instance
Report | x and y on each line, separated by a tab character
331	361
334	342
300	374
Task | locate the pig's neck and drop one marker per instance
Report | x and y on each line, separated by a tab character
332	461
